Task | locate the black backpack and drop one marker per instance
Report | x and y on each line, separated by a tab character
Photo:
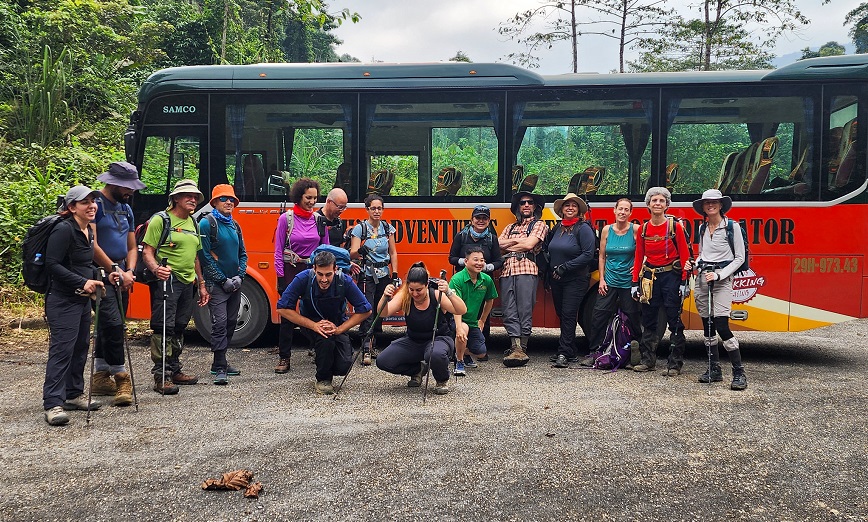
143	273
730	238
33	253
212	229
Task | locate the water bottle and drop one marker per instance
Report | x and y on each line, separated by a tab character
38	259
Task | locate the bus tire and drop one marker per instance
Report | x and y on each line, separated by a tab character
253	316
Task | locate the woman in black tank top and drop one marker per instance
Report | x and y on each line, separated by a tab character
418	302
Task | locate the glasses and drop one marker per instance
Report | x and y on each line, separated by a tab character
224	199
340	208
526	202
375	209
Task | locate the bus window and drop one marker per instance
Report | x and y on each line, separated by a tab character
168	160
840	156
745	143
416	140
586	146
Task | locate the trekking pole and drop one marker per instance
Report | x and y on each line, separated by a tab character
93	335
116	268
164	262
433	336
370	332
709	336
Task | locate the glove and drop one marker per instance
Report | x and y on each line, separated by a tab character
364	251
228	285
684	289
236	283
461	261
634	292
489	267
560	270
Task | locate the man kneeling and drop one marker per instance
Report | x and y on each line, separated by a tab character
324	292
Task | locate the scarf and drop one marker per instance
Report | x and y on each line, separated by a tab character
220	217
479	235
302	213
569	222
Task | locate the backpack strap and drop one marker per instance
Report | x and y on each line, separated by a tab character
730	235
167	229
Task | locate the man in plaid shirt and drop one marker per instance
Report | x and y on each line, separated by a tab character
520	242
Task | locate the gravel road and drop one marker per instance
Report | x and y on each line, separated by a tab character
533	443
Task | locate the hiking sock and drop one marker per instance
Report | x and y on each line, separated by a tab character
99	365
732	350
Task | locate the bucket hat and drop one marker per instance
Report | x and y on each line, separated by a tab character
559	204
78	193
711	194
122	174
538	200
187	186
223	190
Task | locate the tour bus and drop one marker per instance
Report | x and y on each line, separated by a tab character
435	139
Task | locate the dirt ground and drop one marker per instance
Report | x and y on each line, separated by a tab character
533	443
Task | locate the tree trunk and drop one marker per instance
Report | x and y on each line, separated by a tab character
575	36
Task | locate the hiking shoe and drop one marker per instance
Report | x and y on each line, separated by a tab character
366	359
590	359
416	380
440	388
234	372
124	394
324	387
168	389
739	379
716	375
482	358
642	368
635	354
102	384
184	379
672	372
282	366
561	362
516	358
56	416
470	363
80	403
459	369
221	377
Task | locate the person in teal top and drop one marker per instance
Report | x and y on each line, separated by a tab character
224	262
617	251
477	290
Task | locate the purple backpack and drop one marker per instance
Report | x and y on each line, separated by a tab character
616	344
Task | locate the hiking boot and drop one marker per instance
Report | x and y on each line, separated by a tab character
672	372
642	368
366	359
184	379
102	384
635	354
221	377
716	374
440	388
739	379
56	416
590	359
324	387
124	395
230	371
80	403
416	380
516	356
282	366
561	362
168	389
459	369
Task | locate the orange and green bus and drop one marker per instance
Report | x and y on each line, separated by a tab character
436	139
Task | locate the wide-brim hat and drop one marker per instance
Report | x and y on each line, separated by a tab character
223	190
538	200
559	204
710	194
187	186
78	193
122	174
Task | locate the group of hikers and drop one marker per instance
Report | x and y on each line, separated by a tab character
322	267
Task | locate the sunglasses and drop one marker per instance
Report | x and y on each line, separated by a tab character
526	202
224	199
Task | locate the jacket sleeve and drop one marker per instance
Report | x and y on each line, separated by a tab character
586	241
739	253
455	250
496	255
639	260
60	241
280	244
242	253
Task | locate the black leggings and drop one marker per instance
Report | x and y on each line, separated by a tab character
720	325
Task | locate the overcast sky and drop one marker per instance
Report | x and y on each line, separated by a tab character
416	31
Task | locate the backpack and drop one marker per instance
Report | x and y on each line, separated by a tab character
616	344
306	301
212	229
671	220
342	257
33	253
290	223
142	272
730	238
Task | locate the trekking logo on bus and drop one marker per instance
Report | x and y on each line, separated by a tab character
745	285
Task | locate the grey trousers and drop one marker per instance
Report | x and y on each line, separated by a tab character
518	297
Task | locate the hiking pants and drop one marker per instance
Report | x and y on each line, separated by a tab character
333	354
373	293
110	338
605	308
224	315
518	297
403	356
69	332
567	296
179	305
664	295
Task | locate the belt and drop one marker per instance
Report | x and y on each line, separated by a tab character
714	266
661	269
380	264
520	255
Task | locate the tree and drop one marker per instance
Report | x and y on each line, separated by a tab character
728	34
858	19
827	49
460	57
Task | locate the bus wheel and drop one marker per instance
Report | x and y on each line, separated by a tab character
253	316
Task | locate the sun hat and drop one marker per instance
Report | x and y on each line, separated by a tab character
223	190
187	186
122	174
538	200
559	204
712	194
78	193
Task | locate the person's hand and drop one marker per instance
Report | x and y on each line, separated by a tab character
91	286
461	331
489	267
204	296
236	283
389	291
442	286
603	289
363	250
634	291
560	270
128	279
710	276
325	328
355	269
114	278
688	265
461	261
290	257
163	272
228	285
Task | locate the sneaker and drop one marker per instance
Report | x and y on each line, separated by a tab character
324	387
642	368
184	379
234	372
470	363
56	416
282	366
716	375
221	377
459	369
416	380
440	388
561	362
80	403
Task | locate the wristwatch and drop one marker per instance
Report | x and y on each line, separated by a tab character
450	293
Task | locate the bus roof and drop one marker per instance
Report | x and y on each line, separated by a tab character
364	76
